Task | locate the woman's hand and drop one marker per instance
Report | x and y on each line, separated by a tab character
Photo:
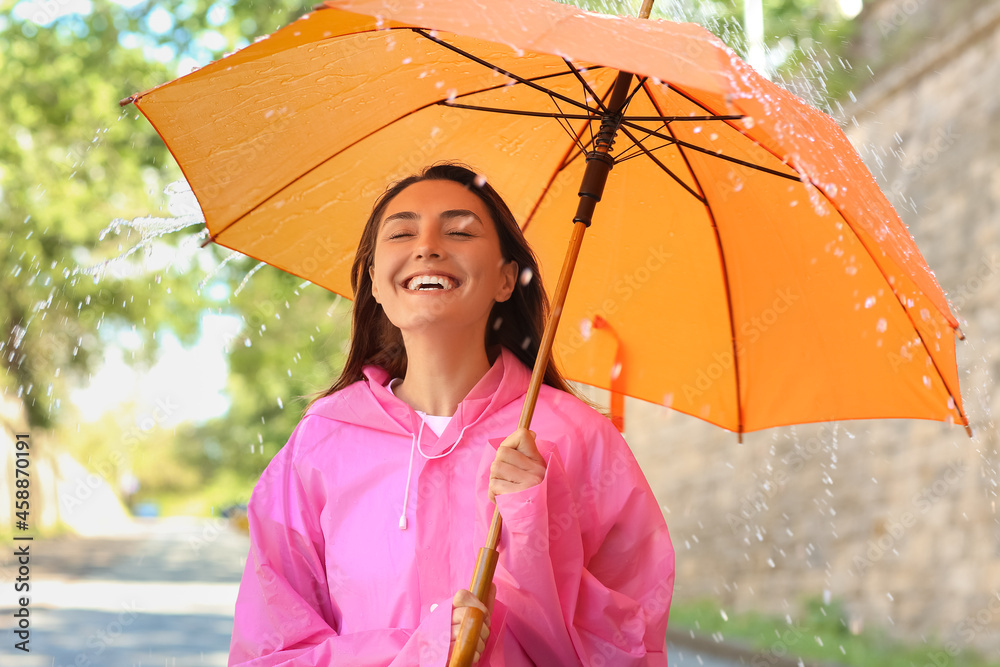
517	466
459	603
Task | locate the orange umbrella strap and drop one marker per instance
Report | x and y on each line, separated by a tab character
617	375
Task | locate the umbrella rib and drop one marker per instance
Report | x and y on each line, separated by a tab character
822	191
586	86
540	77
722	156
587	91
741	131
524	112
662	166
578	143
501	70
567	159
725	276
675	119
520	112
589	126
565	125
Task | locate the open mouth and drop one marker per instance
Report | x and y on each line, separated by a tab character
422	283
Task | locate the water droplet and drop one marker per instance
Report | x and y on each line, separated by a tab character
526	275
697	130
616	370
869	302
927	382
480	180
526	342
280	404
881	325
586	328
951	403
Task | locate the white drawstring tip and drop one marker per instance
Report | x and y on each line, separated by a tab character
402	522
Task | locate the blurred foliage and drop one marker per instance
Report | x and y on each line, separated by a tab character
291	346
73	161
821	632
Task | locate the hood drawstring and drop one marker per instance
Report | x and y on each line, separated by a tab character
409	472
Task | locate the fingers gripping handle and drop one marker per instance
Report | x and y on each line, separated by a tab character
472	624
468	638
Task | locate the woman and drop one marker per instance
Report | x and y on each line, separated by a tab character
365	526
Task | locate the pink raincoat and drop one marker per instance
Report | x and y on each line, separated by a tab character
365	525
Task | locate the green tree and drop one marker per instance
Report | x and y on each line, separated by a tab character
72	162
291	345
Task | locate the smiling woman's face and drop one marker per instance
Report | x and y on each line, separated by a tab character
438	264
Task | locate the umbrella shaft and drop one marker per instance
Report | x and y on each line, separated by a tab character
599	163
599	160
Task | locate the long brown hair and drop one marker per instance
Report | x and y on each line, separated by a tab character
516	323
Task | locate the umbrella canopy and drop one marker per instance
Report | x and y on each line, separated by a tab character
743	266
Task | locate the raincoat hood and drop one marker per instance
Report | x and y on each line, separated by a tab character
369	403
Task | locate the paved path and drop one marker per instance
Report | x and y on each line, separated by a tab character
160	597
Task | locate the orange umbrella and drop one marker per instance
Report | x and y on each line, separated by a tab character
743	266
751	270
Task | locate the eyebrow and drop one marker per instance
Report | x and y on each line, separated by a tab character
450	214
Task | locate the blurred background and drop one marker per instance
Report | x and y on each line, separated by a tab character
156	379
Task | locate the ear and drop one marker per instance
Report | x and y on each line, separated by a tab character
371	275
508	280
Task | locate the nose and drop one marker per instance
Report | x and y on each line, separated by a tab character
429	244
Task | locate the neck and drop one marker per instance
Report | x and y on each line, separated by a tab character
441	371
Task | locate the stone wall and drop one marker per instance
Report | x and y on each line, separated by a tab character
896	519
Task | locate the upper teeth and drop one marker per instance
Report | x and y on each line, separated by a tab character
423	282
